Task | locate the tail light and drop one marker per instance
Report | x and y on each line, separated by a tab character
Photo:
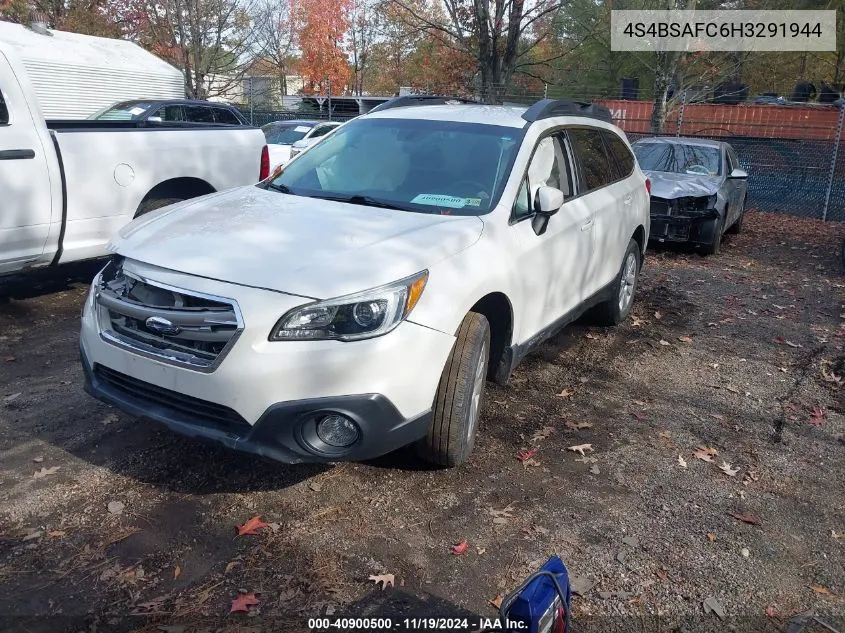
265	164
647	186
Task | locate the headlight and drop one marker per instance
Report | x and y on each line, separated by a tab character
353	317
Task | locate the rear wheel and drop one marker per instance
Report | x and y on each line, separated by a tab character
155	203
617	307
457	404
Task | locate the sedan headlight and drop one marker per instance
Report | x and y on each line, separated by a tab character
353	317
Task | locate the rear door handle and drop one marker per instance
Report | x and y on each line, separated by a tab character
17	154
587	225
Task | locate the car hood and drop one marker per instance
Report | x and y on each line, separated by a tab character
304	246
670	185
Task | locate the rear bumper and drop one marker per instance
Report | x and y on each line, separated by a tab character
282	432
694	229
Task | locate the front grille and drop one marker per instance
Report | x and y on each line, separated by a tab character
174	325
186	408
659	206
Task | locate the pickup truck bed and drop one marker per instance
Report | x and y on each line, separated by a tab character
69	186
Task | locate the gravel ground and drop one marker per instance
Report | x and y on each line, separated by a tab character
111	523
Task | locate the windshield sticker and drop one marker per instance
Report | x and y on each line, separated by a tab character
136	111
453	202
301	128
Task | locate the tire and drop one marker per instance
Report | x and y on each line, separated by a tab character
155	203
715	246
618	307
457	404
736	227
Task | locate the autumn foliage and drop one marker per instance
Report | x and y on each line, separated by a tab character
324	61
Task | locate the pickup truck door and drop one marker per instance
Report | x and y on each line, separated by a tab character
25	187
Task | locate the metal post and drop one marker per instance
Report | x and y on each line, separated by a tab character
545	90
251	121
833	158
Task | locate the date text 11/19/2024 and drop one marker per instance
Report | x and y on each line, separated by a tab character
414	624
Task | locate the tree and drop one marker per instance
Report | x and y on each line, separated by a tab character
363	24
211	41
91	17
498	34
324	64
276	38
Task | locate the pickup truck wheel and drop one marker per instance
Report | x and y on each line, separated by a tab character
616	308
457	404
155	203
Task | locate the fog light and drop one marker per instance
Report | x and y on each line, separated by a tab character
337	430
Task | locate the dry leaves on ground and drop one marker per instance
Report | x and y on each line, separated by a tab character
45	471
501	516
818	416
682	462
459	549
726	468
565	393
524	456
580	448
705	453
243	602
746	517
577	426
384	580
252	526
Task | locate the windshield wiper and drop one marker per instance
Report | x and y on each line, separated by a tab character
280	188
366	201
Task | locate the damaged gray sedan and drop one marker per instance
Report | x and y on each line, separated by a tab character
698	190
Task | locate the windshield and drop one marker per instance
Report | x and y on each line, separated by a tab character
412	164
285	134
122	112
677	158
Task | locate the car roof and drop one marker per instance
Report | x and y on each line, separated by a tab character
506	116
682	140
153	102
309	122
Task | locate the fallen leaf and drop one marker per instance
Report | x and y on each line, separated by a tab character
749	476
665	435
779	340
682	462
818	416
746	517
496	602
716	416
460	548
833	534
577	426
526	455
542	434
46	471
821	590
791	344
10	359
315	486
711	537
711	605
685	339
11	398
384	580
56	534
639	416
480	550
726	468
771	611
664	342
662	574
115	507
595	470
177	571
33	534
658	315
580	585
592	337
243	602
580	448
501	516
703	454
566	393
252	526
231	565
38	460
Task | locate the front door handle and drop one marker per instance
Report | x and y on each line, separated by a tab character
17	154
587	225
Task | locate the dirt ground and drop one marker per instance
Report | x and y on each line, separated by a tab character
740	354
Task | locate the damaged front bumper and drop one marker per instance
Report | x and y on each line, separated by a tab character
693	220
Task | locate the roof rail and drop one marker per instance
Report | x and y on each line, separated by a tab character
547	108
419	100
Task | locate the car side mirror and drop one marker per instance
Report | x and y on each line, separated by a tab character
739	174
547	202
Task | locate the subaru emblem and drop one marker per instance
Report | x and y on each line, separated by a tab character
162	326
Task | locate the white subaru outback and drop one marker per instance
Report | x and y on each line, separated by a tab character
358	301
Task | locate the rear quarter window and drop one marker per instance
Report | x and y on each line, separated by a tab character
4	111
619	152
221	115
596	166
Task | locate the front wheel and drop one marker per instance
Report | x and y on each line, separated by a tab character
715	246
457	404
616	308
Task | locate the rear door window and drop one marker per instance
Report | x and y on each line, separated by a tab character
4	111
621	155
322	130
199	114
597	170
223	115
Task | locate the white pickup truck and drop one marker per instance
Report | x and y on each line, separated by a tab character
67	187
